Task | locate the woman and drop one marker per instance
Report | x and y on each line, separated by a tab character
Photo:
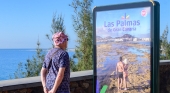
125	73
55	74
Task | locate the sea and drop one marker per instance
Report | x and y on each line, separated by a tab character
10	58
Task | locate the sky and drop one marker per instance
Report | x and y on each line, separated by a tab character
23	22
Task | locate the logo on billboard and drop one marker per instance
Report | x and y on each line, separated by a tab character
125	22
125	16
143	13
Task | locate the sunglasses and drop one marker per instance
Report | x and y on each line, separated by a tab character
65	39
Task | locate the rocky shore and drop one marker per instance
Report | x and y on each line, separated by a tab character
138	71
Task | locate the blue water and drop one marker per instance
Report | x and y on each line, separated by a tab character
138	51
145	43
10	58
138	42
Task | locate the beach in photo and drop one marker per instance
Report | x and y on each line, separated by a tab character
138	55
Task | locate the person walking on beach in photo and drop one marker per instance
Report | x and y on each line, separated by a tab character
125	73
55	72
119	71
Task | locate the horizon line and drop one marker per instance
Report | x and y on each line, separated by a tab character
30	48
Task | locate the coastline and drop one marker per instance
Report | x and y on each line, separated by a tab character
10	58
139	66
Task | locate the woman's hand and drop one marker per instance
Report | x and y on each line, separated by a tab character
52	91
45	90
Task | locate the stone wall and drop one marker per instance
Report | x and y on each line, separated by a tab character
164	79
82	86
80	82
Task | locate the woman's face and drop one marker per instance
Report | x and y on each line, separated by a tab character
63	45
54	40
66	43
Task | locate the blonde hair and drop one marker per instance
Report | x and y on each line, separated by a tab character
125	61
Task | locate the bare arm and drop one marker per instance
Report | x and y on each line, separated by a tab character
59	79
43	79
116	68
123	67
